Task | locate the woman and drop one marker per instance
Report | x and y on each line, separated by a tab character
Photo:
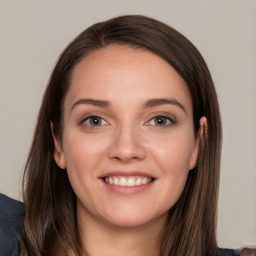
126	152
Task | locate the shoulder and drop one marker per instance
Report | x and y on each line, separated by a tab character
241	252
247	251
227	252
11	212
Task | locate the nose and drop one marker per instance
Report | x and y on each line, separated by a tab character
127	145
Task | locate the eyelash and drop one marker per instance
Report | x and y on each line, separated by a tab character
170	121
167	121
90	118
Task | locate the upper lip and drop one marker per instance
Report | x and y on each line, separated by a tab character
126	173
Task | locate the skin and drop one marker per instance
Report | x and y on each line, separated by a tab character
127	138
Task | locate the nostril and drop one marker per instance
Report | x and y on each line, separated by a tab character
126	148
116	158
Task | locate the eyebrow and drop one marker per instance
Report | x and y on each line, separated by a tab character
149	103
163	101
99	103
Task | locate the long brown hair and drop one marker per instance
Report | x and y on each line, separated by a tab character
50	224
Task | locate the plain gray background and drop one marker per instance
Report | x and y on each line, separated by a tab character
33	33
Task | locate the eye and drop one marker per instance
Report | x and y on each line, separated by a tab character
161	121
94	121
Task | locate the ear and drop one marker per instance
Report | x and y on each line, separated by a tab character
200	136
58	155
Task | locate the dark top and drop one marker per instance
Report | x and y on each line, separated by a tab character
11	212
227	252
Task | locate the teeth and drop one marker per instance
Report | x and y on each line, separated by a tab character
127	181
122	182
138	181
116	181
145	180
131	182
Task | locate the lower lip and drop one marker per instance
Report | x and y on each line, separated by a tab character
127	190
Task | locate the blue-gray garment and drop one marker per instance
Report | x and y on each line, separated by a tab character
227	252
11	212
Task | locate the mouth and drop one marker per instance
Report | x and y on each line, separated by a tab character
127	181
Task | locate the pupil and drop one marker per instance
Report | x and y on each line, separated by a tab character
95	121
160	121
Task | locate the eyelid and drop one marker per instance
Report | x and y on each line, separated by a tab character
168	116
91	115
96	117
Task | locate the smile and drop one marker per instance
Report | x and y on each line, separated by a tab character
124	181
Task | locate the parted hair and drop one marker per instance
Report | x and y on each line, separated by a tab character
50	222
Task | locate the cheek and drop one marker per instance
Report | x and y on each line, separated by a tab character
83	158
172	157
173	153
83	154
81	148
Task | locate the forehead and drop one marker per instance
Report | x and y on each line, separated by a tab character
118	71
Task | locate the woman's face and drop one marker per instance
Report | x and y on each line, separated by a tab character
128	138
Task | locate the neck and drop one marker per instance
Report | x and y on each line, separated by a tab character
99	237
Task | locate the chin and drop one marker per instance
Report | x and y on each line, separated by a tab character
134	219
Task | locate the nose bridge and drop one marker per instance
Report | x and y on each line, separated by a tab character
127	143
